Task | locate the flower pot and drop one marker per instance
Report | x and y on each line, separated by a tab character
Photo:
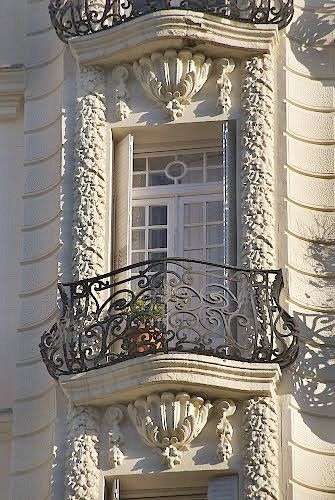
143	338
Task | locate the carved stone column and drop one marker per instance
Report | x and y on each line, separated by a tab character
81	467
257	163
89	206
261	449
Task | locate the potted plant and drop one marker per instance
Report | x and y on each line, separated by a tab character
145	317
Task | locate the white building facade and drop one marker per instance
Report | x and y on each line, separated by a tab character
173	166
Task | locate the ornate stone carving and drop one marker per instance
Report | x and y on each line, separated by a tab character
257	164
260	426
120	75
113	417
224	429
172	78
223	84
81	467
169	422
89	176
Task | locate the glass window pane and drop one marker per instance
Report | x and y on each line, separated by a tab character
193	213
192	160
159	162
214	158
215	255
193	237
157	238
158	215
157	255
214	234
139	164
138	180
159	179
138	216
137	257
214	211
138	239
214	174
192	177
194	254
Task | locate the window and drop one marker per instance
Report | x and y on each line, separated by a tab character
172	201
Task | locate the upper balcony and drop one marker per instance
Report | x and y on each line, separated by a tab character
72	18
171	307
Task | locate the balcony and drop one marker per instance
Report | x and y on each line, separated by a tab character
170	307
72	18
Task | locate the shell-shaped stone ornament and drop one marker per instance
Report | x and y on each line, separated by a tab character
172	77
169	422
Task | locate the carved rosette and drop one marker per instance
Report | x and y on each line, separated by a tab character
260	427
81	466
172	78
169	422
257	163
89	188
223	84
224	429
113	418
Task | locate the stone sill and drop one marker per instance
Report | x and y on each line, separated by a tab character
212	377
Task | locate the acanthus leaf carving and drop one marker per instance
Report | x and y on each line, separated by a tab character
113	417
224	429
82	474
172	77
257	166
223	84
260	426
169	422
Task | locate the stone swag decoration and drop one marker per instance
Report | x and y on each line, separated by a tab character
112	419
120	75
169	423
224	429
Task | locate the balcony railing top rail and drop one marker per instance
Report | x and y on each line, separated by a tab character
72	18
170	305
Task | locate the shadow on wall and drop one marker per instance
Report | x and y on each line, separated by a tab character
313	29
314	369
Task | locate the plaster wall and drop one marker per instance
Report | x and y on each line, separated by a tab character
310	199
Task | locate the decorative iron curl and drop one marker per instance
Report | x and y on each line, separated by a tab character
170	305
72	18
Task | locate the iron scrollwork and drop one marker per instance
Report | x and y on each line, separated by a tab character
170	305
72	18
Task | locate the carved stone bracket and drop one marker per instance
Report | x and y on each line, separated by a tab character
89	189
224	429
120	75
113	418
257	163
172	78
81	466
260	426
223	84
169	422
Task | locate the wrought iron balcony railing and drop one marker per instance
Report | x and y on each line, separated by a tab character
170	305
80	17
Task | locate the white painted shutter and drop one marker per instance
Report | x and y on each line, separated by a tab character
123	166
223	488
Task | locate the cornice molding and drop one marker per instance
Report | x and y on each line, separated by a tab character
11	91
213	35
135	378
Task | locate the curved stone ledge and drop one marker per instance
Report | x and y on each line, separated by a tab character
207	375
165	29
